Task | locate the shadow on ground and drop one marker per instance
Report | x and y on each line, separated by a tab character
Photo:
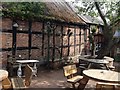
54	79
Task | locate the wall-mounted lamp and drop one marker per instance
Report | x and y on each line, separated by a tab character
15	25
117	34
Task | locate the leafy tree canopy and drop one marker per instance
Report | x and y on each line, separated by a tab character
24	10
106	10
110	10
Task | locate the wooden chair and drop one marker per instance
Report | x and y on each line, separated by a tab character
20	83
6	84
107	86
70	72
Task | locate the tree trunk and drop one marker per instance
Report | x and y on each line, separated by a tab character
93	49
108	36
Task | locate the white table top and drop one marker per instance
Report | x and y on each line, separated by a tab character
102	75
27	61
3	74
99	61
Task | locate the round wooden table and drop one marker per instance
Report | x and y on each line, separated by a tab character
3	74
102	75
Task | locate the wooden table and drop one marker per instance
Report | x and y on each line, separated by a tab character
106	76
102	75
3	74
94	61
26	62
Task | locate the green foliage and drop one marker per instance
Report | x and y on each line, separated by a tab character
111	10
24	10
93	30
91	36
87	9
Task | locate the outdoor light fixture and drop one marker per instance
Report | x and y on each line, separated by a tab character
15	25
117	34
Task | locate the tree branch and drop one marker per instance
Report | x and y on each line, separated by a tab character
101	14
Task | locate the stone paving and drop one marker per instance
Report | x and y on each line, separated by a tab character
55	79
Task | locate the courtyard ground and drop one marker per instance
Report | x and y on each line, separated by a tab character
55	79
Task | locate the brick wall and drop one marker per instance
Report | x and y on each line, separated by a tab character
39	40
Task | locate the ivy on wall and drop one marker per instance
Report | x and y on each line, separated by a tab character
23	10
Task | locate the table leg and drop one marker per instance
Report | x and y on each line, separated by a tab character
83	83
106	67
19	71
35	69
89	65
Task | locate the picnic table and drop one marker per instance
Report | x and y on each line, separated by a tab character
102	75
99	75
26	62
105	61
3	74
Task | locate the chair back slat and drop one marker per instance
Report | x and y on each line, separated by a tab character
70	70
73	69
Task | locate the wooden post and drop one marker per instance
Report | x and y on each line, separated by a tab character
85	40
74	39
68	33
30	37
89	40
61	42
43	27
83	82
80	40
48	52
48	43
53	56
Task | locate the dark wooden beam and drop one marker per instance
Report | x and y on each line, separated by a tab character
14	31
19	31
53	53
43	27
18	48
80	40
61	42
74	39
30	38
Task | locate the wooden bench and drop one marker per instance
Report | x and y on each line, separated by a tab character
107	86
20	83
6	84
70	72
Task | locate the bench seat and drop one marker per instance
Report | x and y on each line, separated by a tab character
75	79
18	83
